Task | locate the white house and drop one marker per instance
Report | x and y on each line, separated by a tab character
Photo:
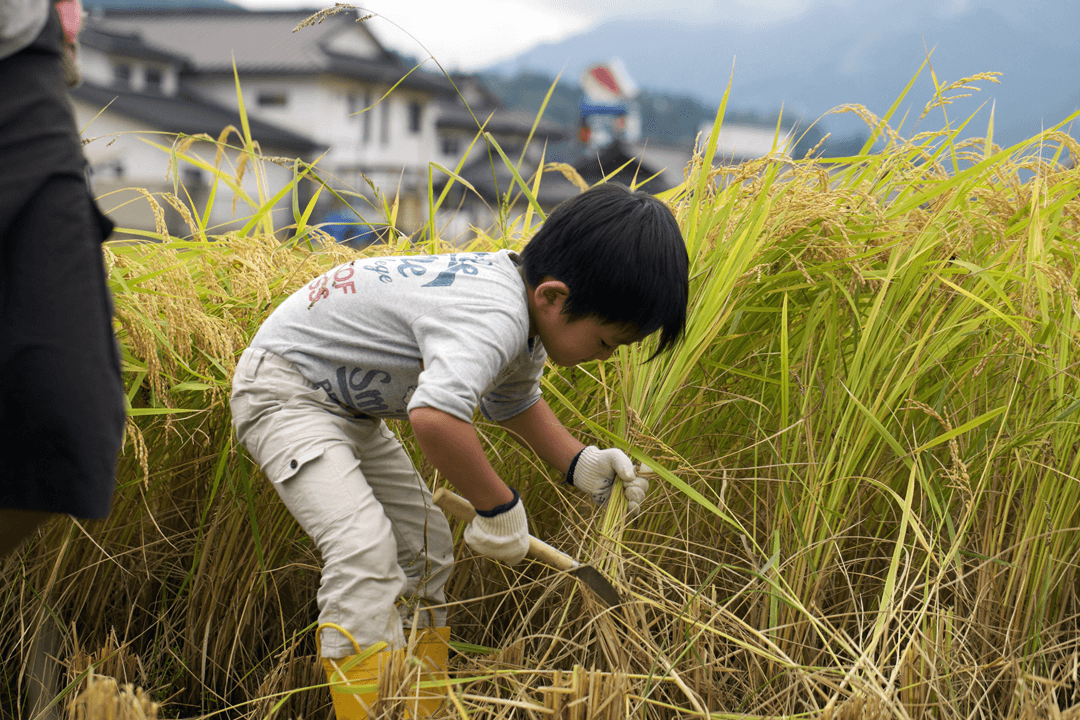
323	90
315	92
132	106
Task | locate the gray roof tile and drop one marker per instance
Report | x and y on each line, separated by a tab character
264	42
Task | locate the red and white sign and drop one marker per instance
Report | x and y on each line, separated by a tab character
608	82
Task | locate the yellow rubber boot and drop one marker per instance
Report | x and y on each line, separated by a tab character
354	680
431	649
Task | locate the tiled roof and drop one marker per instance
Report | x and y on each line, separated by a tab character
212	38
188	115
126	44
262	42
382	72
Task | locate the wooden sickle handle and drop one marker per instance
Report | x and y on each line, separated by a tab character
460	508
455	505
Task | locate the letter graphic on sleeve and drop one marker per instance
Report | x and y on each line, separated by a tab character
462	265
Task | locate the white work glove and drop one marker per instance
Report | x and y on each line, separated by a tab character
501	533
594	471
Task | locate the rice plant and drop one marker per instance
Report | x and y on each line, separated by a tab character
865	499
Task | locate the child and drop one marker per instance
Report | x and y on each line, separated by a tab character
432	339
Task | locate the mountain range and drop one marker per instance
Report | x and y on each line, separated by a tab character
855	52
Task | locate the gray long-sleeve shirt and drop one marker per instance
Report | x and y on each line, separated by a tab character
385	335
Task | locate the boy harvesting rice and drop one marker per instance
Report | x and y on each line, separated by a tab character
431	339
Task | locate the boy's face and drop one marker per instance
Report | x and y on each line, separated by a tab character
568	341
572	342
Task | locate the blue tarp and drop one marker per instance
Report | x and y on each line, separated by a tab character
588	109
348	229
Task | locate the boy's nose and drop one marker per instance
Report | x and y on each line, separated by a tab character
604	354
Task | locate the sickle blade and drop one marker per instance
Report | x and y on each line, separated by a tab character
597	583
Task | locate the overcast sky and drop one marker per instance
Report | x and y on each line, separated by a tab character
469	34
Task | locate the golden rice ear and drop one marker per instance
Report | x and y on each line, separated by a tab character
104	698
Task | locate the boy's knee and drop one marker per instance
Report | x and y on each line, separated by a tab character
368	549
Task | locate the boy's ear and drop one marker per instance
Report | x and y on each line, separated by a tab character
551	295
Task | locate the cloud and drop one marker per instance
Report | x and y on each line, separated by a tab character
466	35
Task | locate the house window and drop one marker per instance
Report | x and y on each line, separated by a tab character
358	107
192	177
365	120
122	75
153	80
416	113
451	146
272	98
384	122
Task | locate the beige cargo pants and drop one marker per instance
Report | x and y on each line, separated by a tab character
349	483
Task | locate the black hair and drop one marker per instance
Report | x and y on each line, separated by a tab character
623	257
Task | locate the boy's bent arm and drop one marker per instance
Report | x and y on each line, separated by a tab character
540	430
454	448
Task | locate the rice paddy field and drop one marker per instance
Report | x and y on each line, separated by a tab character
867	452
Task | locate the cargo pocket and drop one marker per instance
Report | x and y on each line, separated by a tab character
294	462
250	362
